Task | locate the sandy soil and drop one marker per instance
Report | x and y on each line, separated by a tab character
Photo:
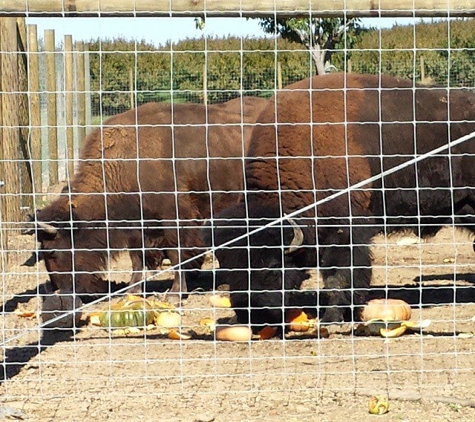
96	375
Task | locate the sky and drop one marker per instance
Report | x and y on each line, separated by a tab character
159	30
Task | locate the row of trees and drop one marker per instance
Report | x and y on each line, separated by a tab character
232	65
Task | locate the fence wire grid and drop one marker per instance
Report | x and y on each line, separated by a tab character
193	231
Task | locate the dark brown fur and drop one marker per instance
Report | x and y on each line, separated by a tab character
134	187
314	161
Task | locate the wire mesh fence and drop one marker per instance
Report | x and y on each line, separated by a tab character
228	219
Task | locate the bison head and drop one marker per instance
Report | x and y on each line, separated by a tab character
71	264
264	270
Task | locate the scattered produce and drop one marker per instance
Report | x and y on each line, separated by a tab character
392	332
177	335
378	405
129	311
298	320
267	333
219	301
168	319
24	313
233	333
386	310
208	322
388	318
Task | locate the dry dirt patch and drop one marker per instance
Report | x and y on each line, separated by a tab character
95	375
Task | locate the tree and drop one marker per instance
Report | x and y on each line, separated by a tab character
321	36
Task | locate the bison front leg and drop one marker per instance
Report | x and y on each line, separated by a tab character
179	287
137	279
345	264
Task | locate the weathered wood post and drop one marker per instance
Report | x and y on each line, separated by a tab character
23	118
10	122
279	75
80	92
131	88
52	119
9	130
69	86
205	85
35	110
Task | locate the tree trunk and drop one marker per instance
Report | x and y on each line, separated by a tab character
318	56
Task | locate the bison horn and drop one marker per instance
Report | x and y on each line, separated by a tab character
47	228
297	240
32	260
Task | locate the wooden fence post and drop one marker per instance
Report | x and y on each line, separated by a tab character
52	120
23	118
205	85
10	86
423	70
132	88
69	86
35	110
80	92
279	75
87	89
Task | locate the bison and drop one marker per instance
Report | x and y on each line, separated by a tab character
146	179
319	136
241	261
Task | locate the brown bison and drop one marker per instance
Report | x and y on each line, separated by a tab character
321	135
146	179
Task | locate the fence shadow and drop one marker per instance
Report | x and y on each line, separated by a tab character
17	357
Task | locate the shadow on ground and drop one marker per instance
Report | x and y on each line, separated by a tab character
16	357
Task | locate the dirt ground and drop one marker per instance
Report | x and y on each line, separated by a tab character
96	375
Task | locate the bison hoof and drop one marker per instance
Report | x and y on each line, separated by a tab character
135	289
176	298
333	316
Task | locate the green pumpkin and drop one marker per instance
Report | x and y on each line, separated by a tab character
128	313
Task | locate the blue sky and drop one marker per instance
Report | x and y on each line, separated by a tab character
159	30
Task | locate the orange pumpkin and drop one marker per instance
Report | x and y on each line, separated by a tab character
386	310
298	320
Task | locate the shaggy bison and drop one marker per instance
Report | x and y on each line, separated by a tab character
146	179
321	135
247	258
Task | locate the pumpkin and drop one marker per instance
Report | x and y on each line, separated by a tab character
267	332
386	310
168	319
298	320
128	312
178	335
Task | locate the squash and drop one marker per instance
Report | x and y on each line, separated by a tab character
233	333
129	311
386	310
168	319
298	320
267	332
219	301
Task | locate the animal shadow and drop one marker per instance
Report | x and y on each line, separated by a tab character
432	294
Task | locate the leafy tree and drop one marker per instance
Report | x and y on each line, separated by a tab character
321	36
